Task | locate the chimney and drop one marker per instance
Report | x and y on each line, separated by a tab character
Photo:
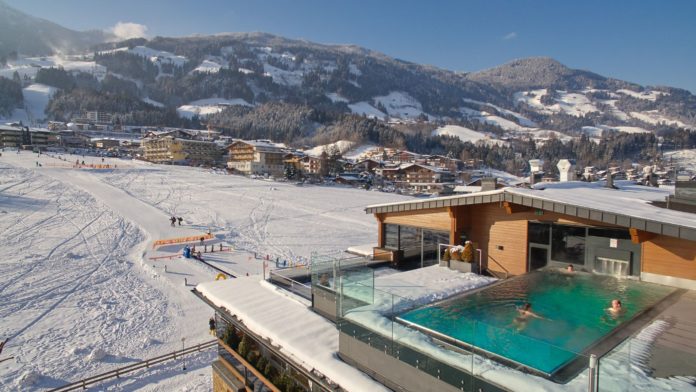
566	167
535	165
488	184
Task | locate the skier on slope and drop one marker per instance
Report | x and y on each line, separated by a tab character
172	220
179	219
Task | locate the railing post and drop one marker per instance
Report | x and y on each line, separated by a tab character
592	379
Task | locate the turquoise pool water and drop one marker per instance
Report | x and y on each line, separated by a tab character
574	307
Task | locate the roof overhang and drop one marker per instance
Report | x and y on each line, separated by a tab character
503	195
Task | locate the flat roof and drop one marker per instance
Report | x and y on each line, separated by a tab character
628	206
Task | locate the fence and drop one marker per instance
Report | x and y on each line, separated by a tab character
291	284
181	240
82	384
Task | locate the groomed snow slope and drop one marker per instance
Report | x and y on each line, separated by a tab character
75	283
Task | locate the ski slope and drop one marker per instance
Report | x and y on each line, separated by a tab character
80	295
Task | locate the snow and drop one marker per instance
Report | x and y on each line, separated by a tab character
592	131
28	66
625	129
524	121
312	340
208	106
208	66
630	199
308	338
36	97
650	95
80	295
364	108
334	97
153	102
655	118
401	105
77	275
466	135
358	152
158	56
686	159
281	76
342	145
574	104
362	250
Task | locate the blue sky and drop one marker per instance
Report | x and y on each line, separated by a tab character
648	42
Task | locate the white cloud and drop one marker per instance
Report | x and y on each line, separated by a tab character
127	30
511	35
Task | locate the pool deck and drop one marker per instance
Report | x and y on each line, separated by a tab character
674	351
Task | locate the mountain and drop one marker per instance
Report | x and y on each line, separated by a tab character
543	72
258	85
28	35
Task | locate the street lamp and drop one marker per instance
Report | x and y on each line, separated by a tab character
182	352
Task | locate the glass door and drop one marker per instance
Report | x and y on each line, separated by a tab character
538	256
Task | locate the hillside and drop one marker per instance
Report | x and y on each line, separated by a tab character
24	34
258	85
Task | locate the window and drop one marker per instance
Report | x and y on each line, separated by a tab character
621	234
391	240
539	233
568	244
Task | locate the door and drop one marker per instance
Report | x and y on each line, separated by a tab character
538	257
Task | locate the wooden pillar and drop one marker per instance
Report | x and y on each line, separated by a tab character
455	226
381	230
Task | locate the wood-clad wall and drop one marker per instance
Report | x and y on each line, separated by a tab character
434	218
670	256
503	237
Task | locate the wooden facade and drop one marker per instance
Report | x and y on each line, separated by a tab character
669	256
500	230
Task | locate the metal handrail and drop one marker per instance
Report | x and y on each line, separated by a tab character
132	367
507	273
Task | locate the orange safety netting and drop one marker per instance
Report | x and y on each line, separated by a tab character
182	239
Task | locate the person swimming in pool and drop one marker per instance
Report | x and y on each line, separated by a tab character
616	308
524	314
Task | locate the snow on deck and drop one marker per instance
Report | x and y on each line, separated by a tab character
308	338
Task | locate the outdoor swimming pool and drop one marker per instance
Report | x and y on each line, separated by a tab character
573	306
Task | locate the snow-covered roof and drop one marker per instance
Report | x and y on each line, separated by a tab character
630	205
306	337
266	145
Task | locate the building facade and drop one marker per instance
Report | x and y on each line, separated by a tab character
521	230
258	157
170	150
11	136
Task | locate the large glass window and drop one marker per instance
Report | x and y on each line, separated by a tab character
392	236
568	244
539	233
410	238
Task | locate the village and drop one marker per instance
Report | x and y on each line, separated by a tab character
368	167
